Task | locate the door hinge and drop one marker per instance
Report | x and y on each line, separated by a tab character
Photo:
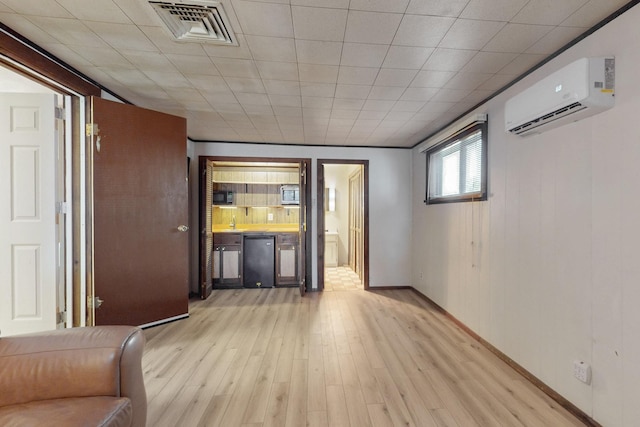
94	302
60	113
62	208
61	317
92	129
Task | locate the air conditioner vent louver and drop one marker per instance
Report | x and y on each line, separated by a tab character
196	21
547	118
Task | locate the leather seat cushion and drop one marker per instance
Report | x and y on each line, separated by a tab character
92	411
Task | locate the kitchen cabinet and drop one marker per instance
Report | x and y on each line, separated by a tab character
331	249
287	259
227	260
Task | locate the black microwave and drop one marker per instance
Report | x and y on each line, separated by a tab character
222	197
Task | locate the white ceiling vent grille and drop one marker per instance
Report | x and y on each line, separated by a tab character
196	21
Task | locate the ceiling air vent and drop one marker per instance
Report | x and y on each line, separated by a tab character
196	21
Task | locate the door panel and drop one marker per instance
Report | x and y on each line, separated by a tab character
139	205
303	228
208	268
27	213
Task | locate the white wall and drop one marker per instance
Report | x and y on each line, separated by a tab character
547	269
389	202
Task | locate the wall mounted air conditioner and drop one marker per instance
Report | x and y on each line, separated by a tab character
581	89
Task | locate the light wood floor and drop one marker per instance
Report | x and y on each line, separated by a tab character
267	357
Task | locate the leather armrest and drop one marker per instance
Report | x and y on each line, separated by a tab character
76	362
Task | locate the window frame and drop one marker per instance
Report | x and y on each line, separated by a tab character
451	140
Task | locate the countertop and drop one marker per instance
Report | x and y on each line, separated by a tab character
257	228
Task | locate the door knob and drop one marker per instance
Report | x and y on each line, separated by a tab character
183	228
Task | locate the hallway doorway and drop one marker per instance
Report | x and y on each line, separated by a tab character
342	213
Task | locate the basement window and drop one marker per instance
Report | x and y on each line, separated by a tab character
457	167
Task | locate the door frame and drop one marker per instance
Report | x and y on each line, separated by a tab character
202	160
320	216
26	58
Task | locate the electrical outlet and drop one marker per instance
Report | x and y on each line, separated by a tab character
270	217
582	371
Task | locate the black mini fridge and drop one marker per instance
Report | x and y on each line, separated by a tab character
259	261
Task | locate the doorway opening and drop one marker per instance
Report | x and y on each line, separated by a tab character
343	224
253	223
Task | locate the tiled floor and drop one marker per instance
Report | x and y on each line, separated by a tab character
341	279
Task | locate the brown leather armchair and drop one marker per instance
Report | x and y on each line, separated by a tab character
73	377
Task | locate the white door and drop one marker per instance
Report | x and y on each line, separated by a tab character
28	255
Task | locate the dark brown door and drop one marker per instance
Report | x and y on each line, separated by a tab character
303	229
140	214
206	232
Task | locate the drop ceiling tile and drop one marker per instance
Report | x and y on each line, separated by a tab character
38	8
289	122
95	10
467	80
148	60
184	94
277	49
419	94
547	12
326	90
450	95
344	114
516	38
492	10
22	25
363	55
315	23
173	80
102	57
393	77
592	13
555	39
285	101
521	64
129	77
448	59
357	75
497	81
318	52
436	107
371	27
317	102
488	62
352	91
123	36
242	68
193	64
395	6
227	51
378	105
348	104
408	106
287	111
432	78
412	58
208	83
69	31
318	73
138	11
277	70
252	98
379	115
217	98
160	38
282	87
420	30
68	55
333	4
476	97
338	123
386	93
264	19
437	7
470	34
245	85
397	116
